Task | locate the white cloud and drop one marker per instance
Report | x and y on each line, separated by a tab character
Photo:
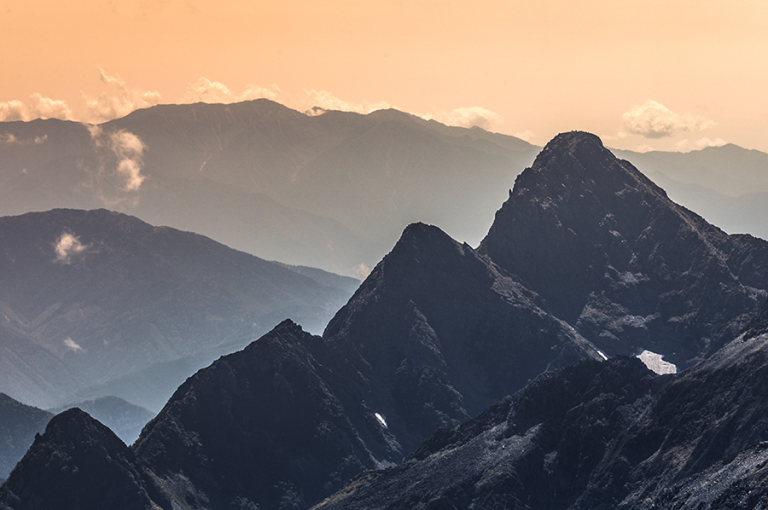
362	271
66	246
130	149
687	145
207	91
524	135
644	148
46	108
72	345
327	101
9	138
38	107
112	106
12	111
654	120
467	117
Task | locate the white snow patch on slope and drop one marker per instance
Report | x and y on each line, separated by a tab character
381	419
654	362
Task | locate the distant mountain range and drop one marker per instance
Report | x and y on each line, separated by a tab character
332	190
588	260
89	297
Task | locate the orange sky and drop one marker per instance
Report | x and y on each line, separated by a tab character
533	67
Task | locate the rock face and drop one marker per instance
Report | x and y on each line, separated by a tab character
123	418
103	295
18	425
595	437
614	257
434	334
78	464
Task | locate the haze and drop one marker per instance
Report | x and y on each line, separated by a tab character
644	75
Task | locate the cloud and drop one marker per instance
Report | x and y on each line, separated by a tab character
207	91
38	107
687	146
654	120
467	117
72	345
325	100
112	106
644	148
11	139
524	135
67	246
12	111
130	149
362	271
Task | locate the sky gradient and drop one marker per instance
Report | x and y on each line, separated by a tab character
667	75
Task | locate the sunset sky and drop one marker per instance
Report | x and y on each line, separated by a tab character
669	75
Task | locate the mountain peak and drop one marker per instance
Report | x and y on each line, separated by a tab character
614	256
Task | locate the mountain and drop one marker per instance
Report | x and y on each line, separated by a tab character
599	436
586	255
293	416
123	418
18	426
91	296
332	190
726	185
613	256
77	464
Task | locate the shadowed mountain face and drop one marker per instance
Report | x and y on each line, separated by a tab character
123	418
598	436
103	295
78	464
433	335
18	426
332	190
613	256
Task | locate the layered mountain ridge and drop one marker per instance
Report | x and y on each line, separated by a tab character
89	296
586	254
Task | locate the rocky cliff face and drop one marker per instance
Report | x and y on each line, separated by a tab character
617	259
433	335
77	464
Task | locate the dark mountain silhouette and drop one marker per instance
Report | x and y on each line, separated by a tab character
90	296
433	335
123	418
18	425
617	259
599	436
77	464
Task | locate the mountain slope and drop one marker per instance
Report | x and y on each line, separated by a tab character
77	464
614	257
598	437
103	295
293	417
18	426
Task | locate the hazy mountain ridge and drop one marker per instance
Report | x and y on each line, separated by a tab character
18	425
269	165
104	294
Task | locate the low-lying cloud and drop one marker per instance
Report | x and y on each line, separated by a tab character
654	120
470	116
72	345
207	91
130	149
37	107
122	101
688	145
68	246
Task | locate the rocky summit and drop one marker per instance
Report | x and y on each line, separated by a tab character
612	255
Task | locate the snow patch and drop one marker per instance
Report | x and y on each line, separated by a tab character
382	419
654	362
